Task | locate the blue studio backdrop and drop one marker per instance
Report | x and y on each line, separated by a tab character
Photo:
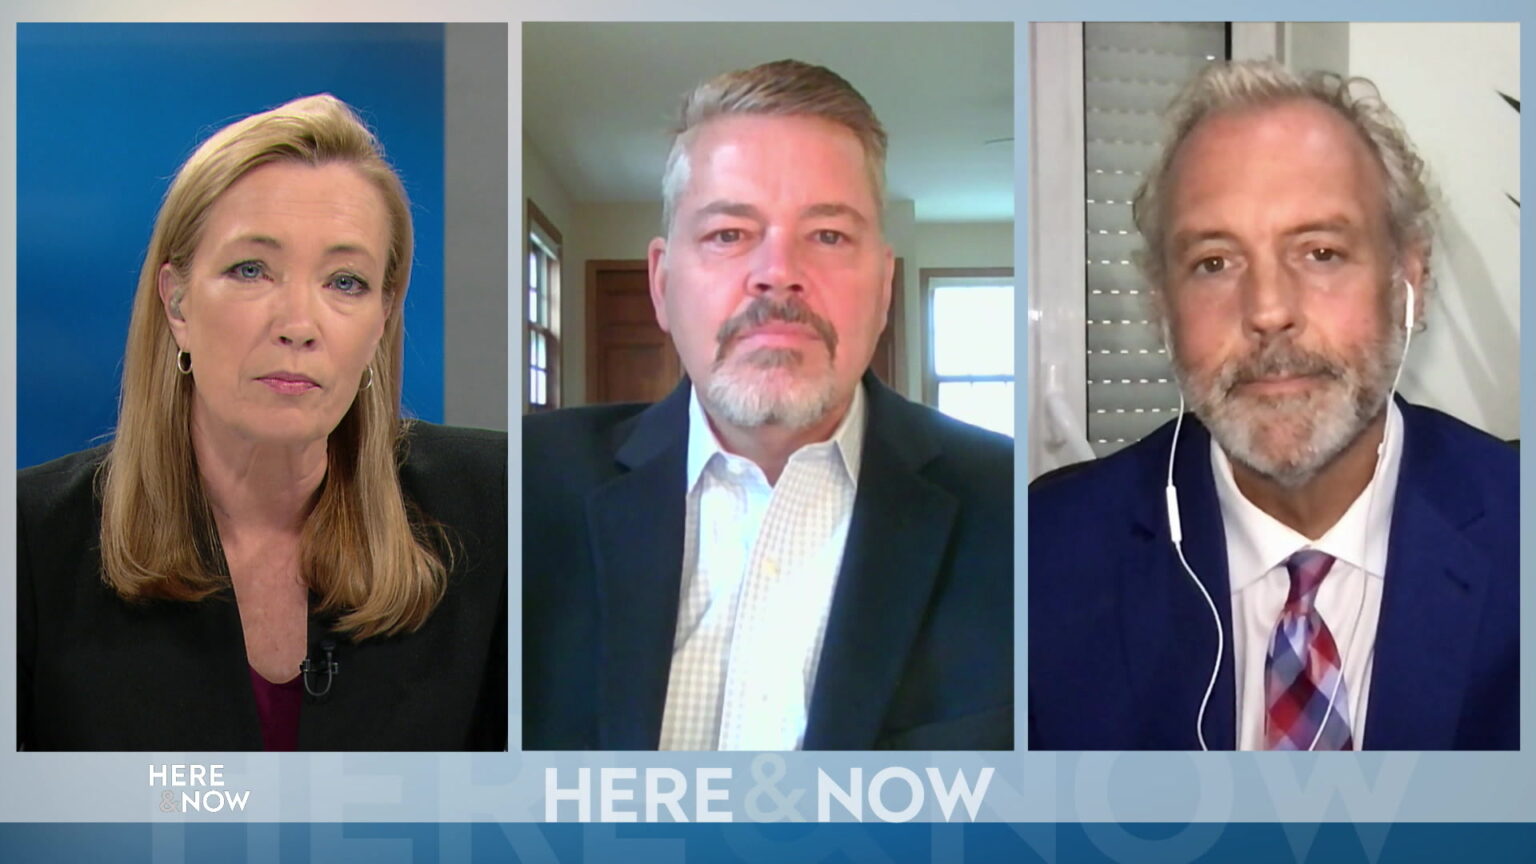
105	115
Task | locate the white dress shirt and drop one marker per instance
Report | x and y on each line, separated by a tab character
759	566
1349	599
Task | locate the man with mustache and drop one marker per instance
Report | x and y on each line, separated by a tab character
783	554
1307	562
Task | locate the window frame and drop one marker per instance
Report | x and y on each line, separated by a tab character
542	236
927	277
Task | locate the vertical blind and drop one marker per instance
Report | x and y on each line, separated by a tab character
1130	73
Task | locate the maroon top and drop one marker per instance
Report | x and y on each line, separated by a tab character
278	706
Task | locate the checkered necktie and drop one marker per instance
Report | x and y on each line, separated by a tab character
1303	668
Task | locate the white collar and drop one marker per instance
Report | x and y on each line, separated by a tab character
704	445
1257	542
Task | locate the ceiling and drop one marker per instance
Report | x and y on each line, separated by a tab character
600	99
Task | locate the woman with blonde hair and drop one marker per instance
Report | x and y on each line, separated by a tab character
267	556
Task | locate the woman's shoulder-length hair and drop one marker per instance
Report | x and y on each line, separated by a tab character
365	554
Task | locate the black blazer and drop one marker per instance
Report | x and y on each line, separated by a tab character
97	673
918	653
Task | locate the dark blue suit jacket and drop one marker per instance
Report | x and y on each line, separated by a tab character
1121	643
918	652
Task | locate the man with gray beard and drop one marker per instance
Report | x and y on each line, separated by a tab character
1307	562
783	553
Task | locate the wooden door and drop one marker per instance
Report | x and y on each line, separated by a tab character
629	357
886	363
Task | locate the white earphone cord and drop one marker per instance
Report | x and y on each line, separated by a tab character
1176	532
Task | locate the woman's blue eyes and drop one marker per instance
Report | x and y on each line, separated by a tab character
248	270
346	283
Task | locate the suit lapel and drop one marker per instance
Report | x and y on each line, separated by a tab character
1432	599
1170	638
637	521
895	548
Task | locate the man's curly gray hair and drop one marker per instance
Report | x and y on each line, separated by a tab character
1226	86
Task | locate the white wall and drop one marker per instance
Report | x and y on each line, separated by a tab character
965	244
1442	81
541	185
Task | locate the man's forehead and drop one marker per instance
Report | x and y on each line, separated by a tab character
1299	141
756	124
705	209
787	151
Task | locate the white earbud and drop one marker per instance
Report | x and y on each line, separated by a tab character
1408	307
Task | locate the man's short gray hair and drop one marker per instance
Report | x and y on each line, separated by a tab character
780	88
1227	86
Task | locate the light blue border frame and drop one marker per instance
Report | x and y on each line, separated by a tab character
1028	787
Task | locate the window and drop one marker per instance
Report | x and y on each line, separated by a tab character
969	373
542	352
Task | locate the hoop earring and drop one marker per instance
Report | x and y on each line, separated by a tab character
370	379
184	362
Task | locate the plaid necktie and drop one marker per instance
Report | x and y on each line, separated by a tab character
1303	668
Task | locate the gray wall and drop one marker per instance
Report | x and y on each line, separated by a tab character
475	266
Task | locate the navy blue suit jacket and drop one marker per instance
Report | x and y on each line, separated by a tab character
1121	643
918	652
